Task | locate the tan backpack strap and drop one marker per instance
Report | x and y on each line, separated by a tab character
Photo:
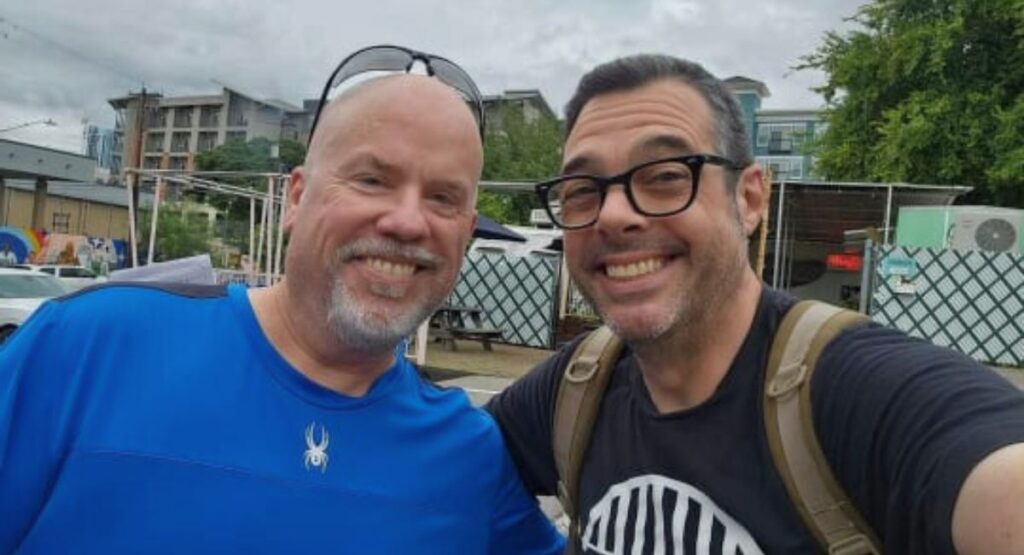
821	502
576	407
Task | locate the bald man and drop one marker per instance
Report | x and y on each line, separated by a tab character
215	419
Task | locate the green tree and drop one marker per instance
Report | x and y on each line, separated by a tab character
927	92
252	156
519	150
178	234
239	156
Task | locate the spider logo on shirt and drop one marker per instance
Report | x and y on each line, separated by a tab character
316	451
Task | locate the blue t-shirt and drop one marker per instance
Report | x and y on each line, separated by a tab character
140	419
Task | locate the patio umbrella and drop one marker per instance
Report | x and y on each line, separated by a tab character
487	228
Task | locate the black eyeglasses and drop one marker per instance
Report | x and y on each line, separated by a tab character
388	57
657	188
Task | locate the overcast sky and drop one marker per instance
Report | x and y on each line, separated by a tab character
61	59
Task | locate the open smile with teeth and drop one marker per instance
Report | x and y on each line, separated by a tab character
634	269
391	268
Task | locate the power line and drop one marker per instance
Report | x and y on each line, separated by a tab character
65	49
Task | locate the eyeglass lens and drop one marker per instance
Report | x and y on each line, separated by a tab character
655	189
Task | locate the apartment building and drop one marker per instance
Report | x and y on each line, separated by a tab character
779	137
530	101
177	128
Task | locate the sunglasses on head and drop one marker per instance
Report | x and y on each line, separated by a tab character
388	57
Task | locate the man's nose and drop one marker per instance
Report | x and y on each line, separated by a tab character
617	214
406	219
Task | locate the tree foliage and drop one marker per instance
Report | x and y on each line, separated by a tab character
178	234
927	91
519	150
239	156
252	156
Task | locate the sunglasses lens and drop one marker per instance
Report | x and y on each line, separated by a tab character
455	77
381	58
397	59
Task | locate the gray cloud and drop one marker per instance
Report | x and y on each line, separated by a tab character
63	59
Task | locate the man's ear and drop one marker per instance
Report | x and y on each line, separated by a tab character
295	190
751	197
472	228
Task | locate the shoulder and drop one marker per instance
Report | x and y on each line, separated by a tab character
118	302
155	291
118	311
873	371
536	391
872	357
903	421
453	409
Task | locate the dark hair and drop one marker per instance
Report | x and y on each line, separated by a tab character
632	72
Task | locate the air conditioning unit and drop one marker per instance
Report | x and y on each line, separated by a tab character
984	228
987	229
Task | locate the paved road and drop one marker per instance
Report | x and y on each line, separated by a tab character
1014	375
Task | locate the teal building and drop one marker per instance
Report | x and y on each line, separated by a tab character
779	137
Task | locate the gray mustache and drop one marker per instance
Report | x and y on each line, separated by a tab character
385	248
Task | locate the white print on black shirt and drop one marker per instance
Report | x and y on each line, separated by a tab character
655	514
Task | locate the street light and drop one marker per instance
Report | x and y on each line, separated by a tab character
47	122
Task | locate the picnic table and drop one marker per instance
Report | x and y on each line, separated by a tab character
461	322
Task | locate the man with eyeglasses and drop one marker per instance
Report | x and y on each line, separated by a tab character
190	419
658	197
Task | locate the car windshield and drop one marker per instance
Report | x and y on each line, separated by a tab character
30	287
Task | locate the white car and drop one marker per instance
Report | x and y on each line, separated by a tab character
21	293
76	277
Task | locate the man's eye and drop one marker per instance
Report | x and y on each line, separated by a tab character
369	181
578	191
444	198
671	176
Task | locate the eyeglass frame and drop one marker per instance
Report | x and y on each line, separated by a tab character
426	59
695	162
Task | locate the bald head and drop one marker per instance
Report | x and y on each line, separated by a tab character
418	99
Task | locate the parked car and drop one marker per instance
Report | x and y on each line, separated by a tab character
76	277
21	293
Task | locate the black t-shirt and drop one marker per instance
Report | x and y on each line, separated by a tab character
902	423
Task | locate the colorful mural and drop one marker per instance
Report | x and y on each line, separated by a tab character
17	244
23	245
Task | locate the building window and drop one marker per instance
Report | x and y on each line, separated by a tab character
154	142
151	163
178	163
179	142
209	116
207	140
156	117
780	137
234	136
61	222
783	167
237	109
183	116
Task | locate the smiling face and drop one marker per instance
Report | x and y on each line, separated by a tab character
652	277
382	211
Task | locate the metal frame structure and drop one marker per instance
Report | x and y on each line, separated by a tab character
273	209
784	232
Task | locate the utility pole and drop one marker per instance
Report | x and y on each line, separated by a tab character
136	162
